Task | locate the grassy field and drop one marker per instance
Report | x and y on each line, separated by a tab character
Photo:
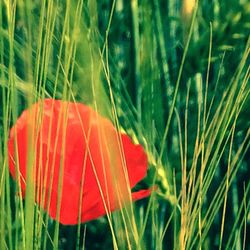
174	76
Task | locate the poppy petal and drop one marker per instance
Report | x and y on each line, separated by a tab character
136	160
141	194
98	166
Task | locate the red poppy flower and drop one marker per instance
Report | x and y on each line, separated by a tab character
72	146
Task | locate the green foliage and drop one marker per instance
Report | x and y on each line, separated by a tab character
176	83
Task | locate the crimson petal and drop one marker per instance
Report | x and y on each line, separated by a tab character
99	166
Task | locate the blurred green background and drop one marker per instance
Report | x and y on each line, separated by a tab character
138	62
